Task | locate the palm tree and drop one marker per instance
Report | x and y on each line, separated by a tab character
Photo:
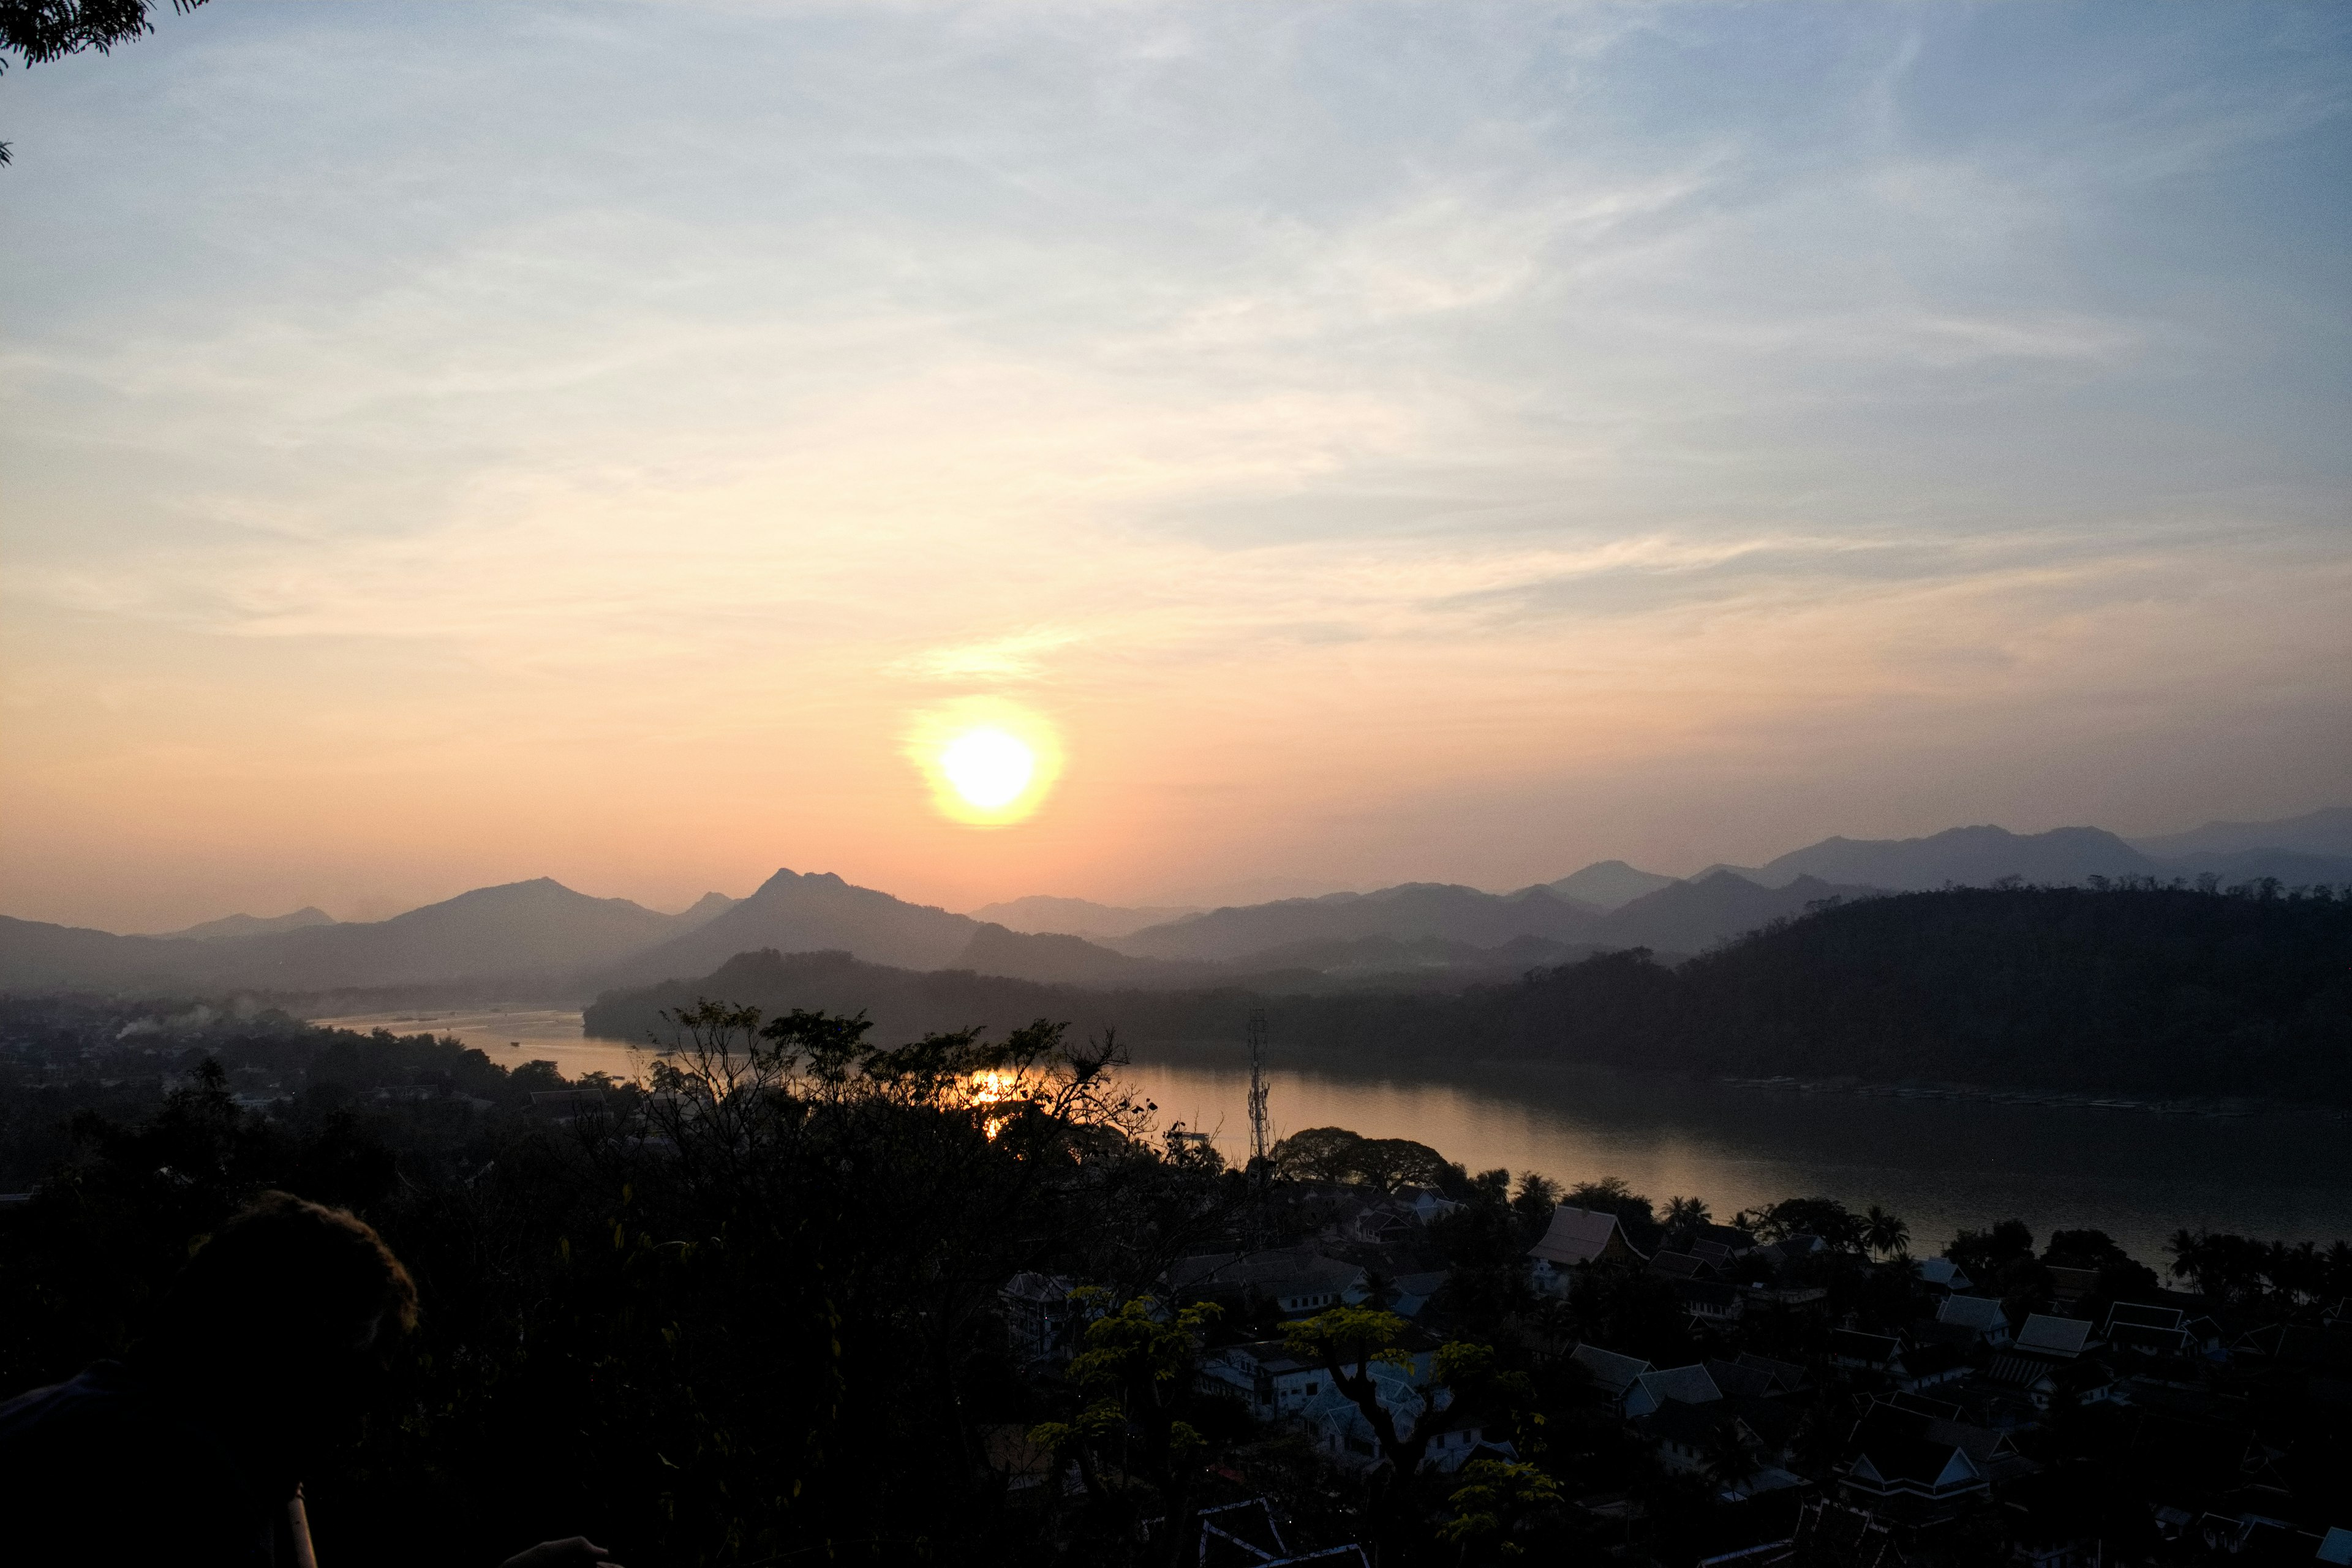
1685	1215
1730	1462
2191	1257
1884	1234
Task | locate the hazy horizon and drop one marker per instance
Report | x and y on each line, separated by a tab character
453	445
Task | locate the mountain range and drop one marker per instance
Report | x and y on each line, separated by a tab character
541	938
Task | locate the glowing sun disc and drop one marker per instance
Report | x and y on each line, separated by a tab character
990	761
988	767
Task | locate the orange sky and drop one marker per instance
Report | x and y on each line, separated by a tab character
1464	475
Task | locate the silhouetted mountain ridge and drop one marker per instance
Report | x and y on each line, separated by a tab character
2153	991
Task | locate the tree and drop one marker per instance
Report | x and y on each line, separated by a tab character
1685	1215
1138	1372
1495	1497
1348	1342
39	31
1884	1234
1613	1195
1537	1196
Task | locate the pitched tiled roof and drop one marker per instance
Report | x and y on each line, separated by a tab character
1736	1379
1942	1272
1978	1312
1576	1236
1788	1374
2054	1336
1607	1369
1684	1384
2017	1371
1679	1266
2141	1315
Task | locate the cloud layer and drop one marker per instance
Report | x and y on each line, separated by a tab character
1389	440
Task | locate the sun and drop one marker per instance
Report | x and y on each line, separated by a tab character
988	767
989	763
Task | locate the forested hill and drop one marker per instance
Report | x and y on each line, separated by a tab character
2142	991
2153	991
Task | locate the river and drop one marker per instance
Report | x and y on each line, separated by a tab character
1940	1164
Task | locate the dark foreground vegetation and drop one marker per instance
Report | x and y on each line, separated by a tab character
2169	990
807	1299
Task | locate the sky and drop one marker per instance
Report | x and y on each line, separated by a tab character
444	445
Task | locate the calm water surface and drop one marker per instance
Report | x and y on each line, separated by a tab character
1940	1164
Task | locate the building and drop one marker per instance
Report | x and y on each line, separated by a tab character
1041	1321
1981	1315
1294	1280
1577	1237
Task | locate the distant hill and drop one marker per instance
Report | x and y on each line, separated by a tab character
1606	884
251	925
35	956
1687	917
2156	991
536	927
1056	959
539	928
1960	856
1074	917
816	912
703	911
2324	832
1410	911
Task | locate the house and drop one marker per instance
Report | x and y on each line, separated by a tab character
1458	1439
1859	1352
1993	1451
1612	1373
2151	1334
1378	1221
1688	1437
1980	1314
1942	1275
1408	1293
1294	1280
1739	1381
2042	1381
1680	1384
1683	1434
2069	1285
1926	1366
1577	1236
1897	1457
1787	1374
1271	1381
1714	1241
2064	1338
1041	1321
1425	1205
1338	1427
1679	1266
1709	1300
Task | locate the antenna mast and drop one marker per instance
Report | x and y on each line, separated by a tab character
1261	1144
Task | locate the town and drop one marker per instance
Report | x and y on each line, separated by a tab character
1791	1386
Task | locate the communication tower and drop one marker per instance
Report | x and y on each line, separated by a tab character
1261	1143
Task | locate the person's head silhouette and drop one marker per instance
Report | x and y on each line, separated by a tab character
262	1353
